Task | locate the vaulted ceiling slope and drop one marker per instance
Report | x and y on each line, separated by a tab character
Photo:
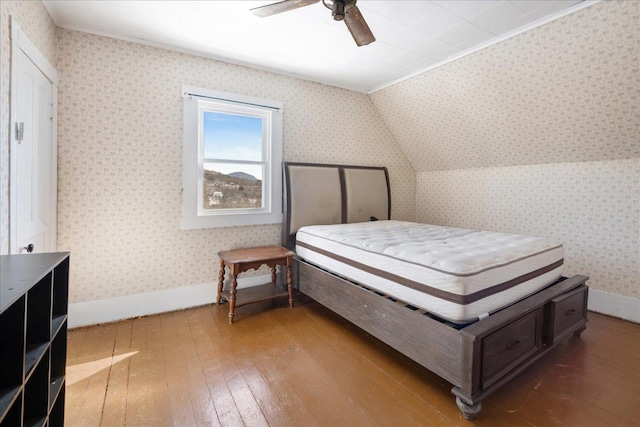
567	91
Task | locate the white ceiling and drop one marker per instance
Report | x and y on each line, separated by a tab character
412	36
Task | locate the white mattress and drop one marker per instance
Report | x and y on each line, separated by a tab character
456	274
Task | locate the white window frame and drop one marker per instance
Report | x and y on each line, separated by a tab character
198	100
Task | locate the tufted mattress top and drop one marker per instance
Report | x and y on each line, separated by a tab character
454	273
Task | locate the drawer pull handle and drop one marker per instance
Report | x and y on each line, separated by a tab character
513	345
570	312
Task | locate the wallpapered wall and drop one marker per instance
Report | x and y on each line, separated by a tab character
120	160
593	207
39	27
563	92
531	135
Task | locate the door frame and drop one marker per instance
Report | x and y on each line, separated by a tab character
19	40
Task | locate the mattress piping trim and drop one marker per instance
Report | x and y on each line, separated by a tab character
430	290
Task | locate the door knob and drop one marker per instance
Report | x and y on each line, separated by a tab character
29	248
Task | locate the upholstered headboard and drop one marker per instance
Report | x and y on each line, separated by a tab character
317	194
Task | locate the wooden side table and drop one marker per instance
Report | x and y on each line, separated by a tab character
240	260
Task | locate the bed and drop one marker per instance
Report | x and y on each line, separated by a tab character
474	307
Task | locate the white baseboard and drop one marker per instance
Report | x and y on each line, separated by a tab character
627	308
112	309
126	307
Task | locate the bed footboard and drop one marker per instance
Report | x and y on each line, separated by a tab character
501	346
477	359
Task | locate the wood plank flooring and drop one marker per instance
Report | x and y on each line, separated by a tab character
308	367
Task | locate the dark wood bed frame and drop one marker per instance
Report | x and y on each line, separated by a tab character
477	358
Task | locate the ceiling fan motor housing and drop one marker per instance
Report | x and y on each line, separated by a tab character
339	8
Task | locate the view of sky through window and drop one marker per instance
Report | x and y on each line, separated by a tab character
232	137
229	142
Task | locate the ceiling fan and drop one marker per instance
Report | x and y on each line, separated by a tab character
340	10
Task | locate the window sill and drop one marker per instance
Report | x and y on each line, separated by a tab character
193	222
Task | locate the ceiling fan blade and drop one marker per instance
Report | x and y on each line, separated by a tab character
282	6
358	26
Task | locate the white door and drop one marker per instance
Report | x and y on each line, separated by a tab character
33	163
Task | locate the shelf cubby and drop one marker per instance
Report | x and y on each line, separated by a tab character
34	293
58	364
34	354
60	296
36	395
12	354
39	309
13	414
56	416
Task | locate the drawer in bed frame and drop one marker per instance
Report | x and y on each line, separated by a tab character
509	346
476	359
566	311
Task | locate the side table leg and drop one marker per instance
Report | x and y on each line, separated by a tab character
220	282
289	283
273	274
232	296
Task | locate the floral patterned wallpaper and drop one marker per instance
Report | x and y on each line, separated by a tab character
39	27
566	91
120	160
538	134
528	136
593	207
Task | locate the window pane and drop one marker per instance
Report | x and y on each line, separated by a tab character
231	186
232	137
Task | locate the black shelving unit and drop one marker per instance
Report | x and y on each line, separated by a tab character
34	295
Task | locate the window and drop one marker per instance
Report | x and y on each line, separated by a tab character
232	158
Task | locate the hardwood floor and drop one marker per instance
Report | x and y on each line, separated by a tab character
306	366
